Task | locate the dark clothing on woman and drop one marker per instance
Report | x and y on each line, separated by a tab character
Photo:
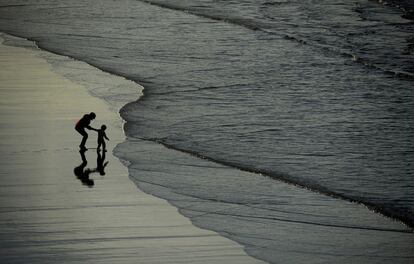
84	122
80	127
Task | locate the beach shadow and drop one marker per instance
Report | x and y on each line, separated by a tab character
82	173
100	162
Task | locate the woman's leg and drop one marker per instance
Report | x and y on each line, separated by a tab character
84	137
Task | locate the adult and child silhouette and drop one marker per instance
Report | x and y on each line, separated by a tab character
84	123
81	172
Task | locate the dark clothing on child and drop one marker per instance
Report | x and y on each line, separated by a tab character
101	138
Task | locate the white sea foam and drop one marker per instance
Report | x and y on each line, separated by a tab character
113	89
216	87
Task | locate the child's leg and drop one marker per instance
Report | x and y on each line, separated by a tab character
103	145
99	144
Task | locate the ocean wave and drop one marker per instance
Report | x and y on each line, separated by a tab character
384	209
260	24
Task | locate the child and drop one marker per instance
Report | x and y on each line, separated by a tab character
101	136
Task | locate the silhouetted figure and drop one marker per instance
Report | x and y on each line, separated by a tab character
100	163
81	125
101	138
82	173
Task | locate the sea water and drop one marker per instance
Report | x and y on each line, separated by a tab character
314	93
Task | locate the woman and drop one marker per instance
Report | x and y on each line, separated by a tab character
81	125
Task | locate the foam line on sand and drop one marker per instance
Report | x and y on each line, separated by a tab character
50	215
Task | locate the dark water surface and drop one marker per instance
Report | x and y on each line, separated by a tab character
317	93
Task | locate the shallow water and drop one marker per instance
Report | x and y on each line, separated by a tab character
315	94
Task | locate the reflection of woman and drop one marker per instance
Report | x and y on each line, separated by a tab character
82	173
81	125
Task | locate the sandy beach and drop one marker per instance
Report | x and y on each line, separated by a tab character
112	214
240	132
49	215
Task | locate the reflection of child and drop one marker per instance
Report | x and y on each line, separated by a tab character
101	136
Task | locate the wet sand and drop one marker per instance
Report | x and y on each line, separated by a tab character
48	214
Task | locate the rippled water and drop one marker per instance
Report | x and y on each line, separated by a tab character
284	98
318	93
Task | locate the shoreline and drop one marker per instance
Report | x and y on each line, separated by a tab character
62	216
382	210
223	218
